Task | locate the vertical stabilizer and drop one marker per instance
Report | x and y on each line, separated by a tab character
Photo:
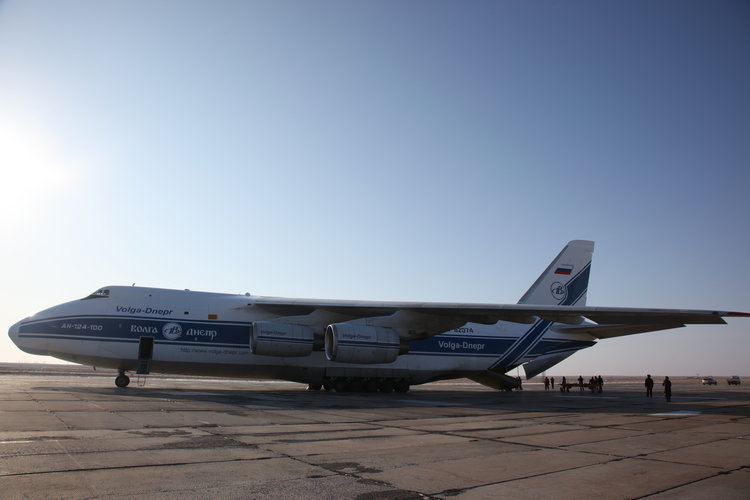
566	279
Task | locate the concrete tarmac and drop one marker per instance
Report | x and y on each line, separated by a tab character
73	434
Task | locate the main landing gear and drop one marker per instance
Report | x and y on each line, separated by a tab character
122	380
359	384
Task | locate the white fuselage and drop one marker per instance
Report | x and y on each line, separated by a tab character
202	333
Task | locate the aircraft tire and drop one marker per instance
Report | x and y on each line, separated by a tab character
122	381
313	387
402	386
387	385
357	384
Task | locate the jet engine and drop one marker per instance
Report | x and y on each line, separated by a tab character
268	338
348	343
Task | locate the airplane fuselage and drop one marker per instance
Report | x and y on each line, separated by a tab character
342	344
201	333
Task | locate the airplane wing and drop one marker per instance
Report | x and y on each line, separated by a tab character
415	320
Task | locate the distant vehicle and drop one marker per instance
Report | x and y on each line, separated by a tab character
709	381
734	380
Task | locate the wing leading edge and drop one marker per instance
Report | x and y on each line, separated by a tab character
413	316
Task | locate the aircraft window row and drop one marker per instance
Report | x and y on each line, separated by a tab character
102	293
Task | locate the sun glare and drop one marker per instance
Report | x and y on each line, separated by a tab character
32	170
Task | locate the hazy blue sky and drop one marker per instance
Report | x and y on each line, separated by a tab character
440	151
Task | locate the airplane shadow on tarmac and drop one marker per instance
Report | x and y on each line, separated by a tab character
726	402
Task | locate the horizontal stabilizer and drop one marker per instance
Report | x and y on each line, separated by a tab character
496	380
538	365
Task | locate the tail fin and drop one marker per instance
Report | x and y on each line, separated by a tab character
566	279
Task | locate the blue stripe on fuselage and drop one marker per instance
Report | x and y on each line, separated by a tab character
576	288
462	345
130	340
524	343
123	328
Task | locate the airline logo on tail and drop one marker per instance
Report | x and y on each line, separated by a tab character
559	291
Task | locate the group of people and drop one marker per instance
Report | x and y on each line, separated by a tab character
596	384
667	388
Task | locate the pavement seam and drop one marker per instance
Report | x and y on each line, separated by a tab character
126	467
50	412
717	440
339	472
695	481
458	491
655	459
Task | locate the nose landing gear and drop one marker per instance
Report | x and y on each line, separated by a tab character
122	380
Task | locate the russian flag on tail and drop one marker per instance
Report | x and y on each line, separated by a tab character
564	269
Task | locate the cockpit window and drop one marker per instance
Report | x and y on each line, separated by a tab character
102	293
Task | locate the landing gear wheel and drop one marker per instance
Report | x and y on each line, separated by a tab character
371	385
356	385
402	386
122	380
313	387
387	385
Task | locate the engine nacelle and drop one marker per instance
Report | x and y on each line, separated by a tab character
347	343
268	338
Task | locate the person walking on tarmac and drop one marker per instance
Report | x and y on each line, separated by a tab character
649	383
667	389
580	382
546	383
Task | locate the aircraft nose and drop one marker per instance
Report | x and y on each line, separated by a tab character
13	332
23	342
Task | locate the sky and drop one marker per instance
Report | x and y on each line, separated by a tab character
421	150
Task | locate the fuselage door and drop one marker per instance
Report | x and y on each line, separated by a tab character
145	353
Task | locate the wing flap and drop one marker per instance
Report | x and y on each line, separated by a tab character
644	316
610	331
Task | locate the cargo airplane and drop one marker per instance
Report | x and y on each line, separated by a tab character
346	345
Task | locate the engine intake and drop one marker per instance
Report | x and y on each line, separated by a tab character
347	343
268	338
